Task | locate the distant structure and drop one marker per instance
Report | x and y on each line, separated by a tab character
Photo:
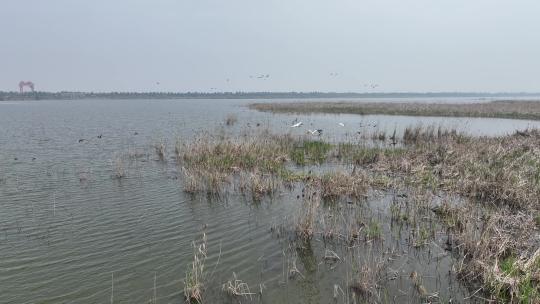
23	84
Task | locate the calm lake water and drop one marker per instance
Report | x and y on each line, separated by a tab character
70	233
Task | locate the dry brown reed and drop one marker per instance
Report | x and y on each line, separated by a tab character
499	253
368	273
338	184
160	148
420	134
195	276
258	185
212	164
237	288
307	218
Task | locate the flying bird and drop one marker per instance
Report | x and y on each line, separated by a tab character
341	124
296	125
315	132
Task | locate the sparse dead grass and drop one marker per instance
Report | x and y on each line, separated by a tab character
237	288
195	276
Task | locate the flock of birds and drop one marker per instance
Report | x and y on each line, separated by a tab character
318	132
260	76
295	124
312	132
266	76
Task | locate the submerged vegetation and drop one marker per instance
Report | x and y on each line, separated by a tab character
231	119
493	226
499	109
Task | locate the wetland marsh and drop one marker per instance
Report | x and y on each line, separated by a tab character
141	201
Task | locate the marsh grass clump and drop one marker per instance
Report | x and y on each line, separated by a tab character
258	185
357	154
379	135
418	283
213	183
420	134
368	274
341	184
501	170
498	253
119	168
450	215
366	156
306	220
373	230
310	151
257	162
231	119
362	155
178	150
196	275
399	213
266	153
423	234
505	171
160	148
211	163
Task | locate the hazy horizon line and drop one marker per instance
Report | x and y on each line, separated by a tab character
281	92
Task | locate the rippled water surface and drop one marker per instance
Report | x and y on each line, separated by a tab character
70	233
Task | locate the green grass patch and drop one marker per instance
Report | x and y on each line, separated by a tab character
310	152
373	230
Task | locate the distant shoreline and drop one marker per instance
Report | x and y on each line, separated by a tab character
9	96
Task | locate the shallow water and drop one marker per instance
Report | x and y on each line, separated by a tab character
70	233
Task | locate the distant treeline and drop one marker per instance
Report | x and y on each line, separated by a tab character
241	95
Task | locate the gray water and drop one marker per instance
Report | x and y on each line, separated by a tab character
70	233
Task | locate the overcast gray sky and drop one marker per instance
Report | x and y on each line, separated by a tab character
195	45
